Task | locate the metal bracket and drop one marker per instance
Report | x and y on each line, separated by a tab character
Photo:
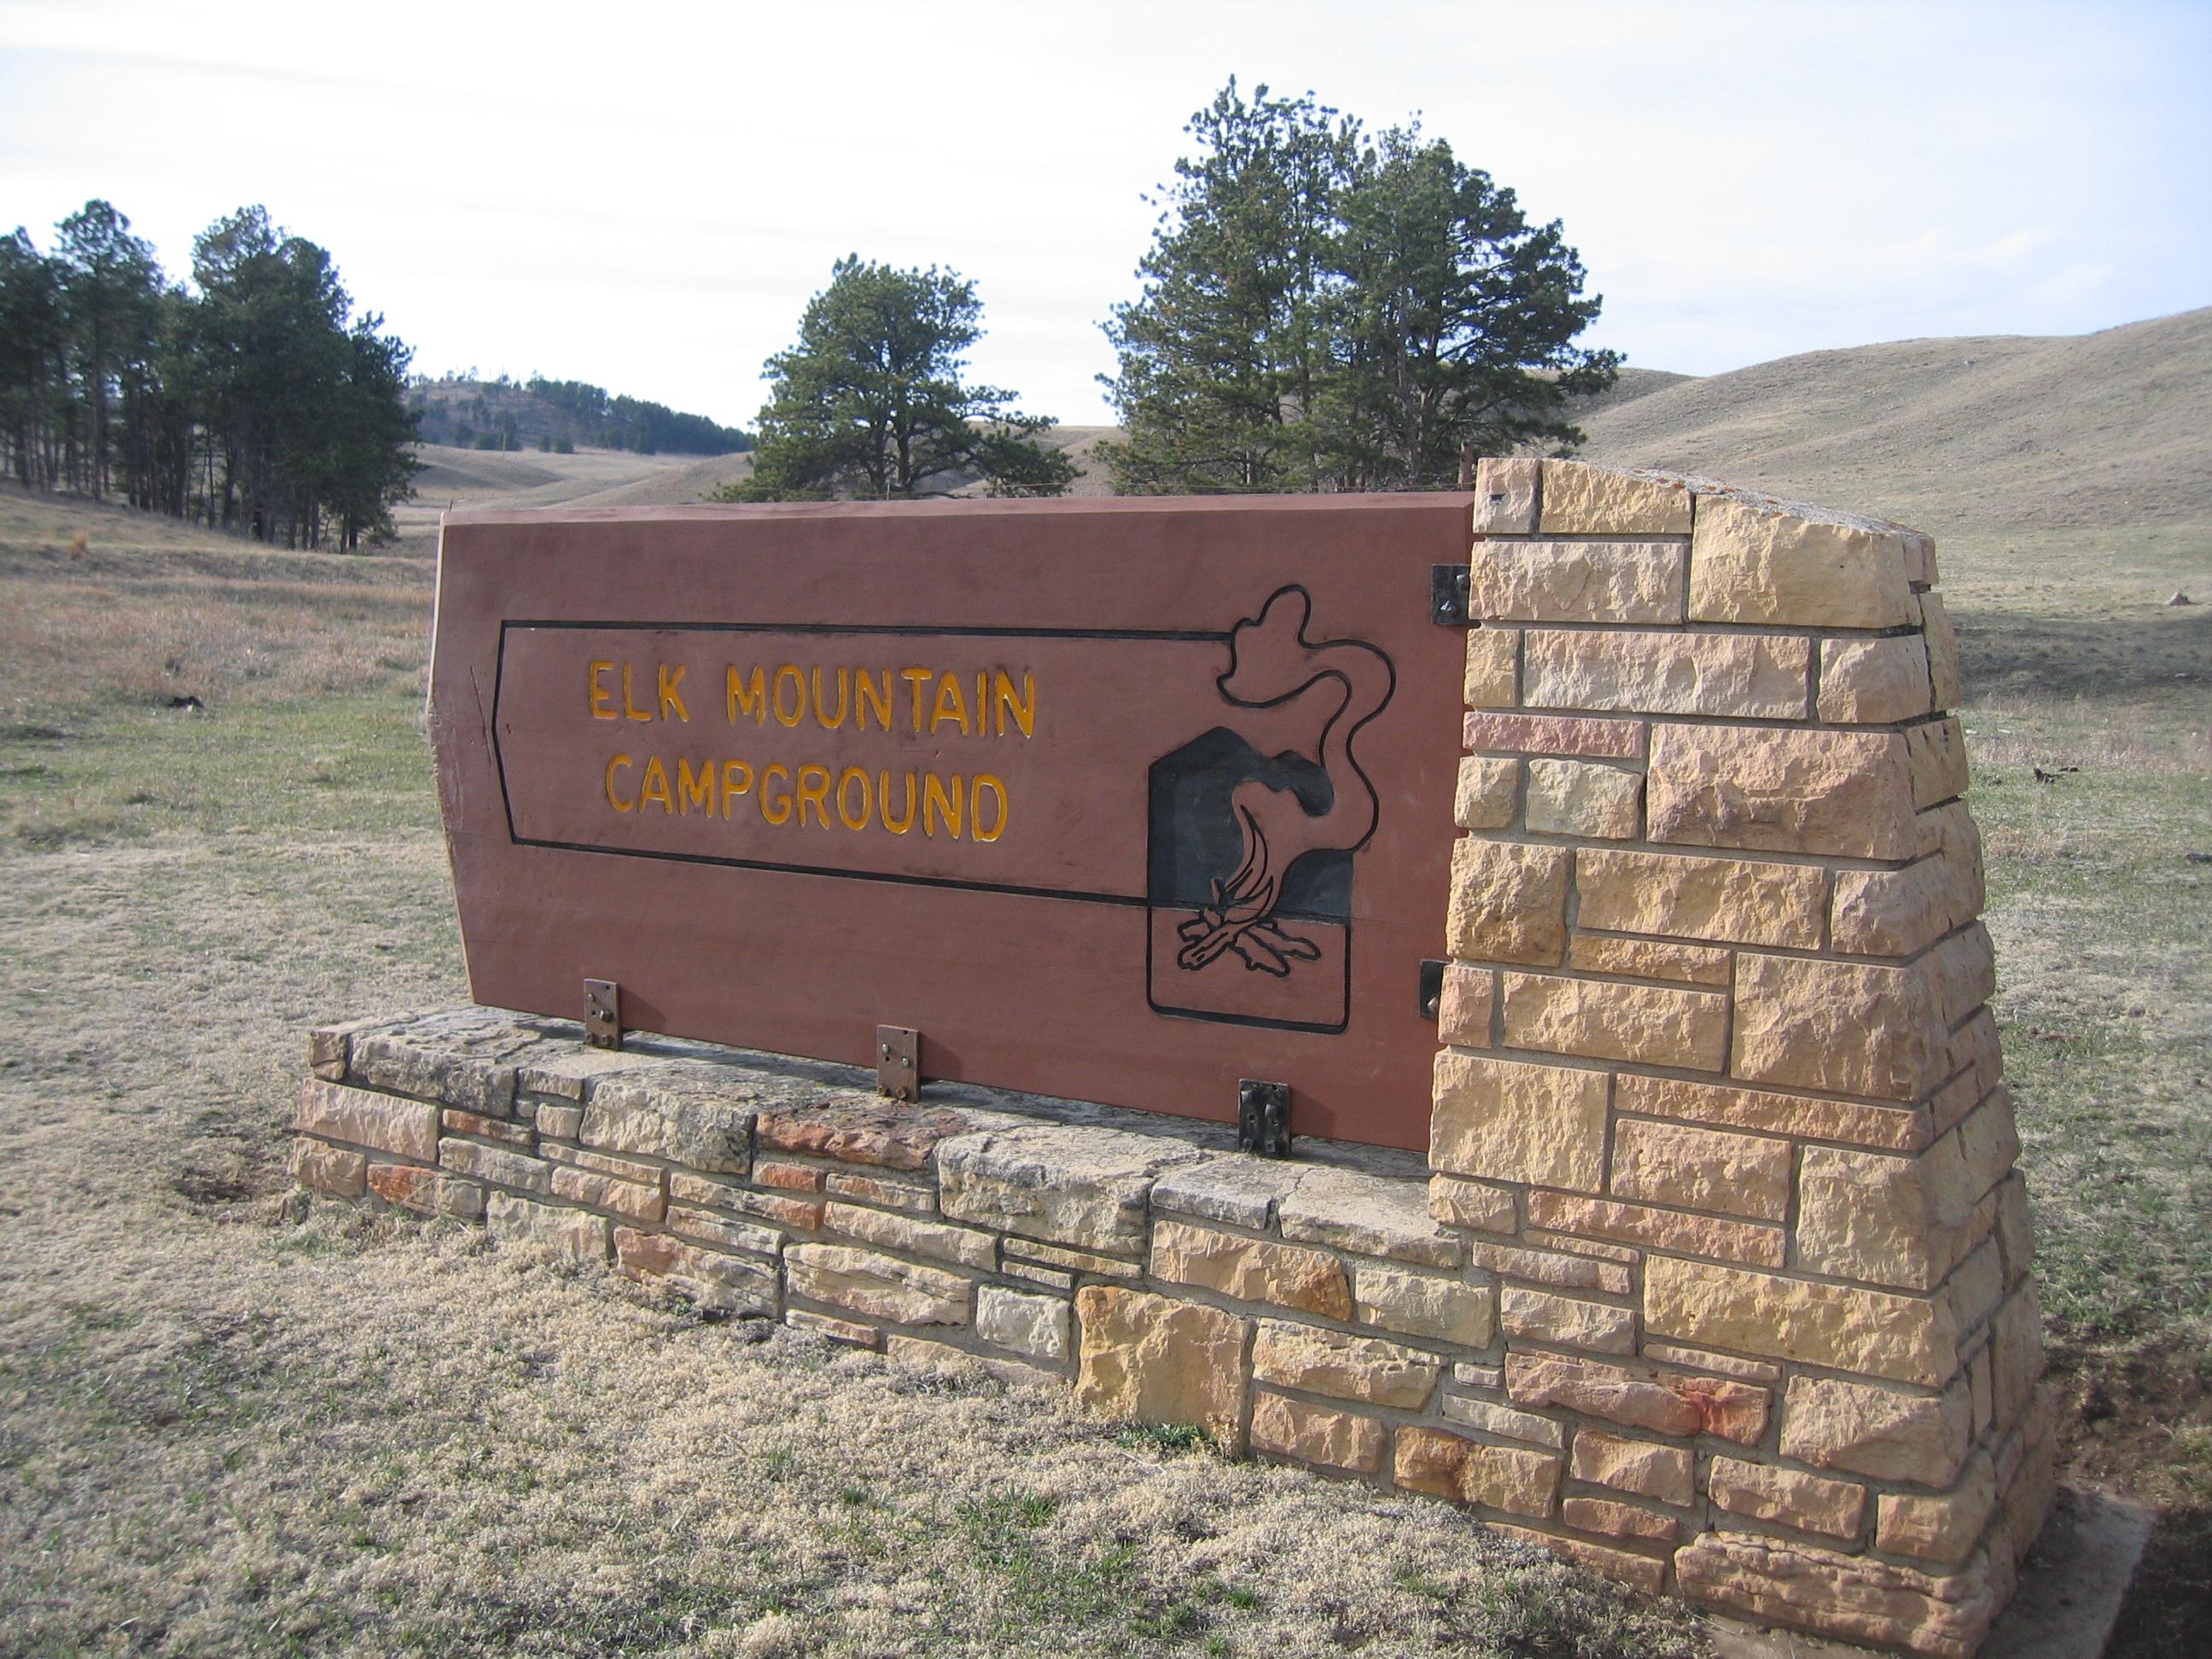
603	1026
898	1062
1431	989
1450	588
1263	1118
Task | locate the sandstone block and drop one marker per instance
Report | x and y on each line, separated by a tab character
1874	681
800	1215
1894	1128
1742	901
1083	1186
329	1046
407	1128
1464	1009
1484	798
1638	1397
862	1129
428	1192
1938	751
1554	735
558	1122
1694	1169
1869	1217
891	1232
886	1194
706	1279
1894	913
563	1071
1339	1440
1942	1529
605	1192
1498	1477
1579	499
1749	675
1602	1019
1561	1269
1582	798
1840	1026
1852	1596
2016	1227
1644	958
1509	902
1491	675
843	1330
1638	1572
787	1176
1566	1321
1619	1520
1874	1332
1037	1326
575	1233
1960	843
1882	1433
1241	1190
1966	970
1160	1361
1841	794
878	1286
463	1068
1704	1359
1426	1305
1069	1261
496	1164
705	1227
333	1169
1457	1203
1506	1423
679	1116
1942	642
2016	1352
1664	1230
497	1130
1505	497
1506	1121
1977	1284
1577	582
1788	1498
1368	1215
1919	558
1251	1269
1362	1368
1752	561
1643	1467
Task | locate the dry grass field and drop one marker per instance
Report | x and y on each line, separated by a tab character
232	1425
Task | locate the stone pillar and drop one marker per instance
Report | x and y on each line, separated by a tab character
1716	1018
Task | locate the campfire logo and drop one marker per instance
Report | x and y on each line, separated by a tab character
1254	827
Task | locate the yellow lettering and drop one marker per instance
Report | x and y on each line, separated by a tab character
982	703
798	682
613	799
982	782
1023	709
948	690
937	801
629	704
669	699
737	778
655	786
883	803
867	693
695	791
916	679
844	676
858	820
747	696
816	792
778	810
603	705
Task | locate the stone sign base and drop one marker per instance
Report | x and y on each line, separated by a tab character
1333	1311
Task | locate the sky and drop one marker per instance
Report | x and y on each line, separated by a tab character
644	196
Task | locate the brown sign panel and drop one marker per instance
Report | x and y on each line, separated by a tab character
1120	801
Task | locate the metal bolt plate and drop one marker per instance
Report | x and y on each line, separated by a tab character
1431	989
1448	598
603	1026
898	1062
1263	1118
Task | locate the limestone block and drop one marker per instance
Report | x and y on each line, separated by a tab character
1567	1321
1362	1368
1577	582
1838	1026
1464	1008
1505	496
1498	1477
704	1227
1751	562
1747	676
1509	902
1581	500
683	1117
1504	1422
1938	752
1251	1269
496	1164
406	1128
1619	1520
1484	798
575	1233
333	1169
1083	1186
1665	1230
1874	681
1742	901
878	1286
1311	1434
1368	1215
1239	1189
857	1128
1459	1203
1506	1121
427	1192
1640	1397
1869	1217
706	1279
1643	1467
1582	797
1644	958
1853	1596
1840	793
1788	1498
1942	642
1554	735
1694	1169
1894	913
1161	1361
1037	1326
1883	1432
1492	675
604	1192
892	1231
1942	1529
1426	1305
1894	1128
1602	1019
1874	1332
